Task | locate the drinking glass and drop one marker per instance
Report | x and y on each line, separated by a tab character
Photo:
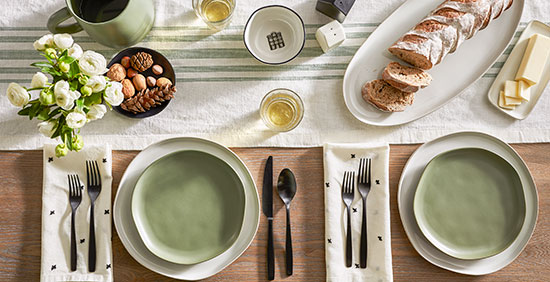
216	14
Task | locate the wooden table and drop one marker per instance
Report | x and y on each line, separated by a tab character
20	207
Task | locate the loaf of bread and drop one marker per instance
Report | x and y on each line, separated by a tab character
445	29
386	97
405	78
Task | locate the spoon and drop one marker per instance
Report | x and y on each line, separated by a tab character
286	187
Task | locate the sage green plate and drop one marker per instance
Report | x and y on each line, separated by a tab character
188	207
469	203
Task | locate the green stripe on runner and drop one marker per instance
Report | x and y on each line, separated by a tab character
207	69
203	53
190	27
170	38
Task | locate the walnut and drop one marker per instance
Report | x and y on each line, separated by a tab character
116	72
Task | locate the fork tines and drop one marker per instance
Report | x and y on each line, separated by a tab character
75	189
364	171
348	184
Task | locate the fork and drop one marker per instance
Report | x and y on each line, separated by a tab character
75	197
364	184
93	179
348	187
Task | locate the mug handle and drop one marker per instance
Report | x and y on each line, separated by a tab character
55	20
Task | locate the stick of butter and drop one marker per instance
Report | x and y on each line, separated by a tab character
511	89
502	102
534	59
524	90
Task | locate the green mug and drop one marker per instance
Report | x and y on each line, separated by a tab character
126	29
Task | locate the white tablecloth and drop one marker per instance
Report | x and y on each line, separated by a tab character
221	85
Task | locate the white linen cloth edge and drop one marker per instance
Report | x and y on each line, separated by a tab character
345	157
56	217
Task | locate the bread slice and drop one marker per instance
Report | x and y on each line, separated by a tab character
414	50
386	97
404	78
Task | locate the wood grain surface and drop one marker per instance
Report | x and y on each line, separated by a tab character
20	221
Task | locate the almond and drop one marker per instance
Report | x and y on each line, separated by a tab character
163	81
128	88
139	82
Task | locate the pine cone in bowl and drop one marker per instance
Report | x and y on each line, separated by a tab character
141	61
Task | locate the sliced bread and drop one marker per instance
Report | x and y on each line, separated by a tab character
404	78
386	97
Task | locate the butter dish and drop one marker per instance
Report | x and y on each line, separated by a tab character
510	68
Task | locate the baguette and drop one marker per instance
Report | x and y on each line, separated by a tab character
445	29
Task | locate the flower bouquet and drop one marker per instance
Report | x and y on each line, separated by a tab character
75	95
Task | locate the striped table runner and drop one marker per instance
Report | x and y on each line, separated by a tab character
220	85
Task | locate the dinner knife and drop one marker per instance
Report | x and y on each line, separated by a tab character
267	208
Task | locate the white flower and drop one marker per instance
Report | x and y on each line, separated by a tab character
63	41
96	112
97	83
75	94
41	43
75	51
39	80
61	87
113	94
63	95
17	95
76	120
92	63
46	128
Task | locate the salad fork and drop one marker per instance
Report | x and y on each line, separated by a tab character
364	184
348	187
75	197
93	179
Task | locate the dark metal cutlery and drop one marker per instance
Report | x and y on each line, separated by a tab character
286	188
364	184
93	180
75	197
348	187
267	208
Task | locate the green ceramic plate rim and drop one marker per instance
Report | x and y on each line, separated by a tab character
142	233
438	245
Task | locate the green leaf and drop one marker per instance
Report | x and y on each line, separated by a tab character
43	114
64	53
47	57
93	99
66	59
24	111
58	127
42	64
74	85
74	70
79	104
34	110
54	112
50	70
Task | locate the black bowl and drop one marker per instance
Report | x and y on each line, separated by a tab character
158	59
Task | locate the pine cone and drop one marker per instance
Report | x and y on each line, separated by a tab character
148	98
141	61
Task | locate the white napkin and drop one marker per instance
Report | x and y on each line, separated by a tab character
345	157
56	217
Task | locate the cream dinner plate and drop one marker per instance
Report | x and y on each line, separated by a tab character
454	74
188	206
469	203
409	181
128	232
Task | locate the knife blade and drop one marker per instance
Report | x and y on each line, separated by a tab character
267	208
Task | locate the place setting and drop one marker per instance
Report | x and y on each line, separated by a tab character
275	141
